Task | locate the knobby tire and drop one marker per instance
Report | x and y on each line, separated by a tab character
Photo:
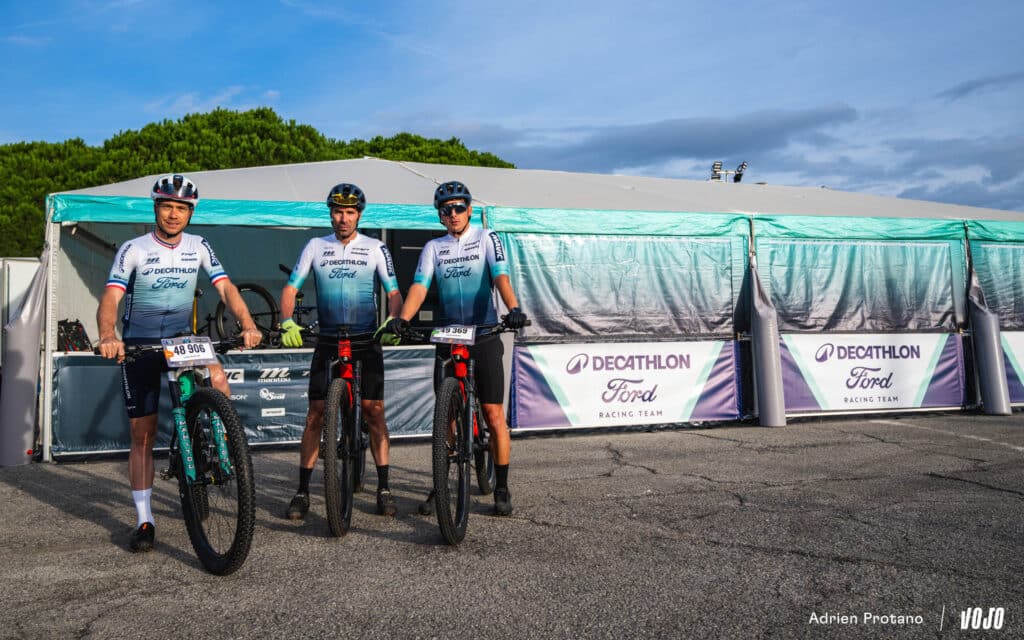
451	460
483	459
220	507
339	464
262	307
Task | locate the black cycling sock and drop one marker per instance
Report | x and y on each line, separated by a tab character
304	476
382	476
501	476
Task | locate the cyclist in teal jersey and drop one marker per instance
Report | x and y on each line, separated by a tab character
347	268
469	263
156	276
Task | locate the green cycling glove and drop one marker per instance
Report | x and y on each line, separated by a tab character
384	337
291	334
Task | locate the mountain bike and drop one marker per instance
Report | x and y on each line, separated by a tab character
460	436
209	454
344	439
261	305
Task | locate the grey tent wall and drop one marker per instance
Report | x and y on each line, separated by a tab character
764	338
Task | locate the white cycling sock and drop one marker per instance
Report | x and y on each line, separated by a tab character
143	506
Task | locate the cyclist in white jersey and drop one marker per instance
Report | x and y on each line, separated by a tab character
156	276
468	264
348	268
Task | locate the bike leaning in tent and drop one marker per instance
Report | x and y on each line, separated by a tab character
209	454
344	440
460	436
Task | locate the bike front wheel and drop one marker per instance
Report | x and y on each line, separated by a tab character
451	458
339	443
220	505
262	307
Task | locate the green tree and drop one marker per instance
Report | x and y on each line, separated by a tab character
221	139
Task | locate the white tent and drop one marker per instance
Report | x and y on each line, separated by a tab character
239	205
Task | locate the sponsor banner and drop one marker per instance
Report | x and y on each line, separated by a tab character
1013	354
619	384
269	390
864	372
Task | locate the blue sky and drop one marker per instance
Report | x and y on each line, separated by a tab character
899	98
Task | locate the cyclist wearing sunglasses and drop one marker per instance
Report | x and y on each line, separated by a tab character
347	267
469	263
156	275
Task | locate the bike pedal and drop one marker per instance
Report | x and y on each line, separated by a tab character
167	474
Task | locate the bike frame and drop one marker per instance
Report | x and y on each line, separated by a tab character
350	372
182	383
463	370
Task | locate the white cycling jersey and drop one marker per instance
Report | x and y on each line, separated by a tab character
346	277
159	281
465	268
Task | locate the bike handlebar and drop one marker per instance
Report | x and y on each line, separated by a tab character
482	331
133	351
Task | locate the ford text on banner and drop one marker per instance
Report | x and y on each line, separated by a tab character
864	372
619	384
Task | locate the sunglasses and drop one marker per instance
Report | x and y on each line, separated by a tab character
451	209
345	200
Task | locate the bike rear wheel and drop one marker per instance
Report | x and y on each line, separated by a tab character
451	458
483	459
362	444
339	462
220	506
262	307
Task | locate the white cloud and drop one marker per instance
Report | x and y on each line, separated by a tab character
28	41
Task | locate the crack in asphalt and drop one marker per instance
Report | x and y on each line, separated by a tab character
619	460
976	483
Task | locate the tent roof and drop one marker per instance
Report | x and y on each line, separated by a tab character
412	183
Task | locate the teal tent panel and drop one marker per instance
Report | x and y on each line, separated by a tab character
625	287
857	228
863	285
1000	270
616	223
254	213
995	231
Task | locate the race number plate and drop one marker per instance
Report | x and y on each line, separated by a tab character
188	351
454	334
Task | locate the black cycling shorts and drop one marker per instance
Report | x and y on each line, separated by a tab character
141	381
372	357
489	369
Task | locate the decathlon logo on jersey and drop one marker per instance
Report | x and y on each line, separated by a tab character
235	376
275	374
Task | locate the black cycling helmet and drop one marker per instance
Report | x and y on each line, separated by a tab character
175	187
347	195
453	190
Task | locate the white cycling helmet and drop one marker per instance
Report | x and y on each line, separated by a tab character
176	187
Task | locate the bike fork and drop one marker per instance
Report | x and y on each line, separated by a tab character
184	443
220	436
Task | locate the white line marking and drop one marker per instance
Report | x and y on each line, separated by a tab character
893	423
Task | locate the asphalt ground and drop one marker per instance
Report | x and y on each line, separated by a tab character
898	523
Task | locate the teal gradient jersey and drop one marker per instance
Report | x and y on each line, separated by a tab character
346	277
465	268
159	281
